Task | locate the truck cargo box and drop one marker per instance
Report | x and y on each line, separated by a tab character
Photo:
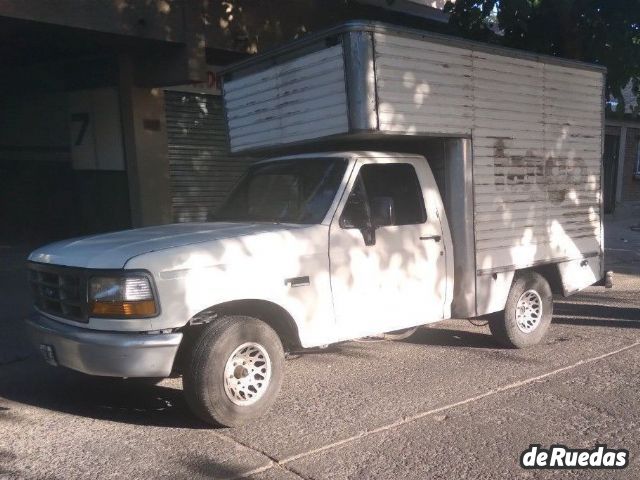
534	123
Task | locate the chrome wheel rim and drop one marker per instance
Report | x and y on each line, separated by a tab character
529	311
247	374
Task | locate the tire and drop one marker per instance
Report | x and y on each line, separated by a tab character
234	371
401	334
522	324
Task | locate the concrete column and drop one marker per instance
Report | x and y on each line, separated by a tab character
622	151
145	145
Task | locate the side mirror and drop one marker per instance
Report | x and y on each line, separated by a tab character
368	235
354	215
382	211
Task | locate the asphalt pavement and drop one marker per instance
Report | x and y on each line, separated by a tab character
447	403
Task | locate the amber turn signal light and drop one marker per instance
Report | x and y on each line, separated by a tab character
143	308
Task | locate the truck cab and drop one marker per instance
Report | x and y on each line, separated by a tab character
340	245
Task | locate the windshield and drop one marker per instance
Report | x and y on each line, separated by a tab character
285	191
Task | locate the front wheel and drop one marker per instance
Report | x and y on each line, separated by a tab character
527	314
234	371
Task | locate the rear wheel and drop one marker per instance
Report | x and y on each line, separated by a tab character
527	314
234	371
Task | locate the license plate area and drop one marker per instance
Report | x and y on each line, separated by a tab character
49	354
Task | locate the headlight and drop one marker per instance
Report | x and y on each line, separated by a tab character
121	297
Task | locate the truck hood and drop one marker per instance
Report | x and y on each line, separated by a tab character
113	250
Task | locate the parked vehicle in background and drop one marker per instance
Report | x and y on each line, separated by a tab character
414	178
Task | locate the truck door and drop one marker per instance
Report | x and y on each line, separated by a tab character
386	249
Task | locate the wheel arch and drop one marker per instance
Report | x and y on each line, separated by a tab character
550	273
269	312
494	289
524	325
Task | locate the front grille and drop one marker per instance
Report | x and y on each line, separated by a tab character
60	291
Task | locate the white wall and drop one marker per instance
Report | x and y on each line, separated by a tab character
96	130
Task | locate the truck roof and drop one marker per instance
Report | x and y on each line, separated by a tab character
380	27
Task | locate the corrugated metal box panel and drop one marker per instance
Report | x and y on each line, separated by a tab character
202	172
573	144
536	132
422	86
510	116
297	100
537	162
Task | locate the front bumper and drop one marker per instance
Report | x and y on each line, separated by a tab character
104	353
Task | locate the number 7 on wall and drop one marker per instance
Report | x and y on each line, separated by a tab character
83	119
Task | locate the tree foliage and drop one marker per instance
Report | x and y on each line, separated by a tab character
255	25
606	32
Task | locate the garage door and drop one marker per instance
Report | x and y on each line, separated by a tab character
202	170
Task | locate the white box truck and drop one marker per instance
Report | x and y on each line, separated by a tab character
415	178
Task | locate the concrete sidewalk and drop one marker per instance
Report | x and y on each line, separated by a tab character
621	243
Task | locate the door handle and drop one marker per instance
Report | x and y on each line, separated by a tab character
435	238
297	282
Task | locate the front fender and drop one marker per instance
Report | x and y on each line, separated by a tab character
194	278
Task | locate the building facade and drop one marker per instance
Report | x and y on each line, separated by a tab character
110	112
622	151
111	115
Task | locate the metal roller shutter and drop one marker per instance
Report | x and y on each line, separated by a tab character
202	172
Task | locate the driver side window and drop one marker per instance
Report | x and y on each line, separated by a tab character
384	194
